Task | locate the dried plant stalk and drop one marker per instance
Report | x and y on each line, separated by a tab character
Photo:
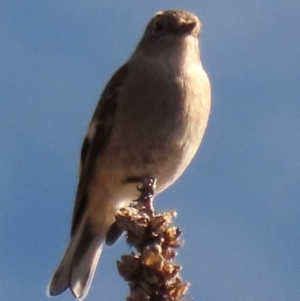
150	270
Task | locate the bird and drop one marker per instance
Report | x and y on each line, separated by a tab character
149	122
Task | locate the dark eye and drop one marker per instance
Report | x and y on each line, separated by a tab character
158	28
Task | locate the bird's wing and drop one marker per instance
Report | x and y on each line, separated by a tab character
96	140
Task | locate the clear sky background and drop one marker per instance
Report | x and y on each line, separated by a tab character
238	203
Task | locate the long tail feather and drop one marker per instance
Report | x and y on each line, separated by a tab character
78	266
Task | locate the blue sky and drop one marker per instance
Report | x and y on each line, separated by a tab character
238	203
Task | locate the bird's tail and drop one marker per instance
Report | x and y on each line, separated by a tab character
78	266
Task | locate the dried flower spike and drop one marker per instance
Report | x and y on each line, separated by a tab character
150	271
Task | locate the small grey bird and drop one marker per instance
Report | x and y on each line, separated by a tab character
149	123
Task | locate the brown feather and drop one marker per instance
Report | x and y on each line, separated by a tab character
104	116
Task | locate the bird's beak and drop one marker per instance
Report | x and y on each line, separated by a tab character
187	26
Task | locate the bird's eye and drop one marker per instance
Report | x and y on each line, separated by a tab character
158	28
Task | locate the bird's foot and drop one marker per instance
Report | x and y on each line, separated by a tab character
147	191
